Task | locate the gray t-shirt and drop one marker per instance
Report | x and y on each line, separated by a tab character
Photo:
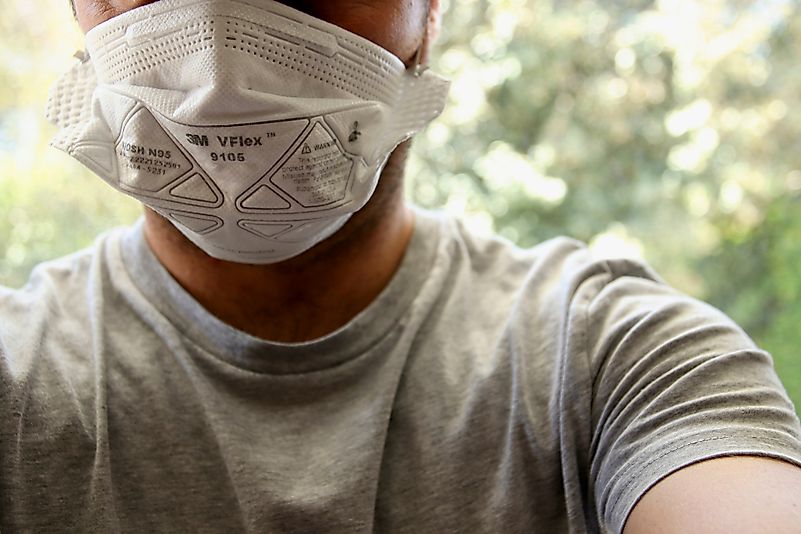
487	389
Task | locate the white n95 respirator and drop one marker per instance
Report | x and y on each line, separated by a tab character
256	129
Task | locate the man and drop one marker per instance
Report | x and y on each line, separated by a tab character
361	366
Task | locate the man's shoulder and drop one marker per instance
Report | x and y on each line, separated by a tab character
552	301
562	303
558	270
56	303
55	279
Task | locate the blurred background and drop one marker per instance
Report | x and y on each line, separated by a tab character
666	130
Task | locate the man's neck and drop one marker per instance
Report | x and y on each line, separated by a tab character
306	297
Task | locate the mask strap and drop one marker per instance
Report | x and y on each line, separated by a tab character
81	55
417	68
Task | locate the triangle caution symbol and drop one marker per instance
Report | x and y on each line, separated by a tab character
323	184
306	149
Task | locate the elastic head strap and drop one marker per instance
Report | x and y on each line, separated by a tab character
417	68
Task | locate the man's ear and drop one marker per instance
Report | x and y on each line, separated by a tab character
434	23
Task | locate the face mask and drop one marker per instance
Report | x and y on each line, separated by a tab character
257	130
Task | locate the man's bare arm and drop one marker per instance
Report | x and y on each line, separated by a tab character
731	495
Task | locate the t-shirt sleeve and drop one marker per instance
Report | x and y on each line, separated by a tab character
675	382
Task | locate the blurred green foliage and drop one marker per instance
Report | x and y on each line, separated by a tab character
49	205
664	129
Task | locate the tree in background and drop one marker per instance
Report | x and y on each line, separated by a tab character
664	129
